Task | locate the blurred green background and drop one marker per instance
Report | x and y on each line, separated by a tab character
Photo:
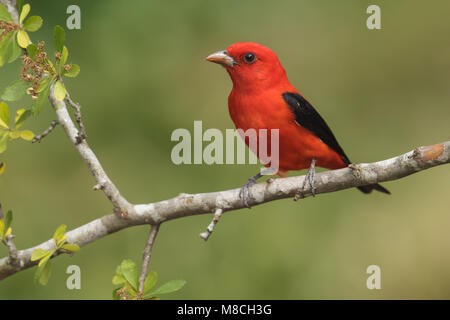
383	92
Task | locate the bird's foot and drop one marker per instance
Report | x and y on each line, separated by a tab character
245	193
354	167
356	170
309	178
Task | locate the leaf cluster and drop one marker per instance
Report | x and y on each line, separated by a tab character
127	276
8	132
39	73
15	36
43	271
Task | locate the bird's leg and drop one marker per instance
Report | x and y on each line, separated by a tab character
310	179
244	193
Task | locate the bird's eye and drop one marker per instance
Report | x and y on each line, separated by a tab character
249	57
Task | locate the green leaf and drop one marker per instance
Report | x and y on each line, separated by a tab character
73	71
2	228
27	135
59	91
4	14
60	231
6	48
4	115
115	296
129	290
16	51
60	38
61	241
46	258
23	39
9	49
3	143
24	13
14	134
45	273
8	219
32	50
21	116
43	84
168	287
119	271
38	254
52	67
33	23
15	90
150	281
37	104
118	279
64	56
8	232
72	247
129	271
2	167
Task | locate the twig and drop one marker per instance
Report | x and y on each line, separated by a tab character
47	131
185	205
205	235
82	132
146	256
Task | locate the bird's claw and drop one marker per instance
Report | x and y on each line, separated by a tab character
245	193
310	179
300	193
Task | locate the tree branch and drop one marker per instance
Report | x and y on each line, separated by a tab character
146	256
209	230
47	131
193	204
82	133
12	255
103	182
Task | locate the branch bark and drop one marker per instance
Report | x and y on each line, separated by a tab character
147	255
184	205
12	256
209	230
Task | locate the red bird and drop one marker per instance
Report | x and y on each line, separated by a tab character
263	98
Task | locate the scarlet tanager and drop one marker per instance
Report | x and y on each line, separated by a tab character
263	98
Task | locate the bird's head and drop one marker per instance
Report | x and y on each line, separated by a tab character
250	65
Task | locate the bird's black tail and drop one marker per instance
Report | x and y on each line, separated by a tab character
370	187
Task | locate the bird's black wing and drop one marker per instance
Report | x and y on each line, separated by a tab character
309	118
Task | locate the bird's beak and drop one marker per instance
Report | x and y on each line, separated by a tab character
221	57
